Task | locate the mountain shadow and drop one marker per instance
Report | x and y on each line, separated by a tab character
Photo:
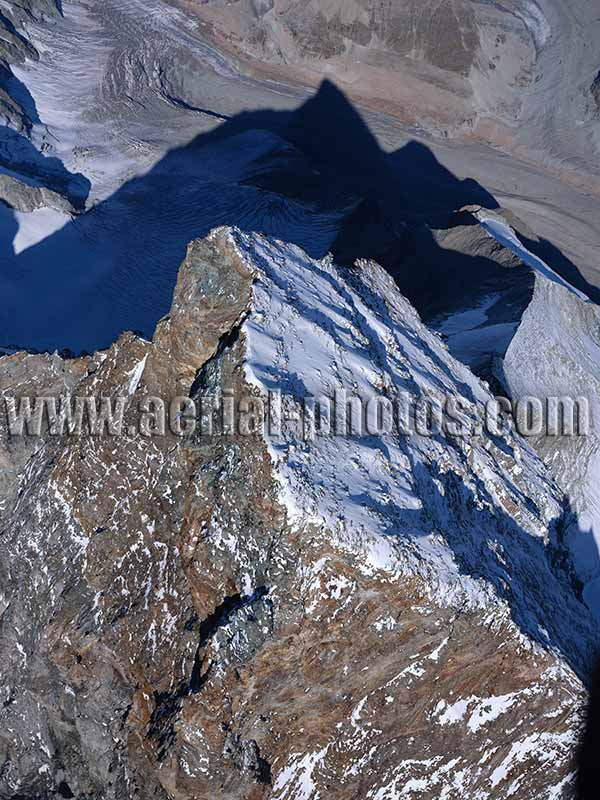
315	177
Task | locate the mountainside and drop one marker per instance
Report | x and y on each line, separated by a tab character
178	611
388	52
546	346
555	353
237	590
16	48
457	69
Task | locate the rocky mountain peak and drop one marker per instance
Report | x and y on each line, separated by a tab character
178	608
211	297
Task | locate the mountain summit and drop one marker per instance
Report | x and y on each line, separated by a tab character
178	609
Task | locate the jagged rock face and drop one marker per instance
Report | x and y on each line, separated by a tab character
29	198
191	616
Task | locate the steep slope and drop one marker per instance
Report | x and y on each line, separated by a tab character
29	178
249	613
15	48
555	353
546	348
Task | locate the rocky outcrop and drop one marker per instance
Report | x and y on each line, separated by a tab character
240	614
21	197
15	48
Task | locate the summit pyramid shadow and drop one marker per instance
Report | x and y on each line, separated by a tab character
299	176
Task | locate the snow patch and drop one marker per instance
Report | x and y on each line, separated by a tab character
35	226
135	375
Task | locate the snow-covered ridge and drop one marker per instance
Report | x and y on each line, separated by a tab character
506	236
470	516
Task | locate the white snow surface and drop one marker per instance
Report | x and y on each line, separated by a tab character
35	226
506	236
469	515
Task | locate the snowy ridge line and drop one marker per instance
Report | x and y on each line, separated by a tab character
506	236
474	520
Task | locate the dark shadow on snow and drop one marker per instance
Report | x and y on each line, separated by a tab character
549	253
287	174
315	177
